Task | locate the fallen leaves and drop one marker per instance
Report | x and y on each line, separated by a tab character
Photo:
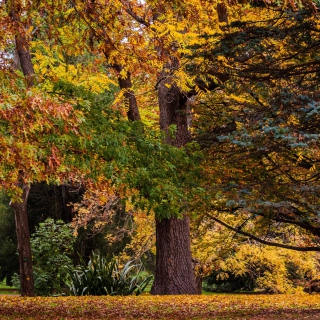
236	306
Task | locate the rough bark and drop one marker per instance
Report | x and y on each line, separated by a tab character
23	238
199	285
174	270
222	12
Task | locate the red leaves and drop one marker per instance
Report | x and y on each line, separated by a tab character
32	126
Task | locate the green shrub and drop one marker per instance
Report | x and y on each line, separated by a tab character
16	281
104	276
51	246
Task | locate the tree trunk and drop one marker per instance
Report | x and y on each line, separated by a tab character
22	53
174	271
20	207
23	237
25	59
131	101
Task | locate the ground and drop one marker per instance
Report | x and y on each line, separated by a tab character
231	306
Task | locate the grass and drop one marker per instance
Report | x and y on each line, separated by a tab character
4	289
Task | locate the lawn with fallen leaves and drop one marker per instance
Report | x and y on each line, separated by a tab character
233	306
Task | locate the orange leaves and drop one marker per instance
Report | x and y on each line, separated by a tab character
163	307
31	129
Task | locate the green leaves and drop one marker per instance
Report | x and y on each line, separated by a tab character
103	276
51	246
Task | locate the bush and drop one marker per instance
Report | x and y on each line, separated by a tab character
51	246
103	276
262	268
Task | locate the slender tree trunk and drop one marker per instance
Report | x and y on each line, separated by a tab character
23	237
24	55
126	84
20	207
174	270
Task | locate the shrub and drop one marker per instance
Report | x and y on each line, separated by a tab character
51	246
104	276
268	269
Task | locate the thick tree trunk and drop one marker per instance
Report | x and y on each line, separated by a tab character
23	237
174	270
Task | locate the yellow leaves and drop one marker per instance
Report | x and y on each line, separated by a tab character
83	211
269	264
313	168
162	307
199	92
51	65
293	120
238	99
239	125
144	234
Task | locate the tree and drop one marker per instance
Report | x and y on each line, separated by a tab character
153	50
20	206
181	279
266	136
28	123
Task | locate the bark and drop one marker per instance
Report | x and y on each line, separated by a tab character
126	84
23	237
25	59
174	271
199	285
22	48
222	12
174	109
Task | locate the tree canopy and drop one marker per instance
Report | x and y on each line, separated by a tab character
175	107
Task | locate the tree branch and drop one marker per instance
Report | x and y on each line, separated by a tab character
268	243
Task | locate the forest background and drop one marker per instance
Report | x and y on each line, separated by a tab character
151	115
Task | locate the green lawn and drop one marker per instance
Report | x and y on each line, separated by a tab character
4	289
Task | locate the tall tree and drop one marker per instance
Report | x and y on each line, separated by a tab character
19	206
31	123
266	138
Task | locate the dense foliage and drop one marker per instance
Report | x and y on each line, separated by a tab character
105	276
264	269
237	90
52	249
260	129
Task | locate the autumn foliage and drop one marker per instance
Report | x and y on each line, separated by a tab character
236	85
163	307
